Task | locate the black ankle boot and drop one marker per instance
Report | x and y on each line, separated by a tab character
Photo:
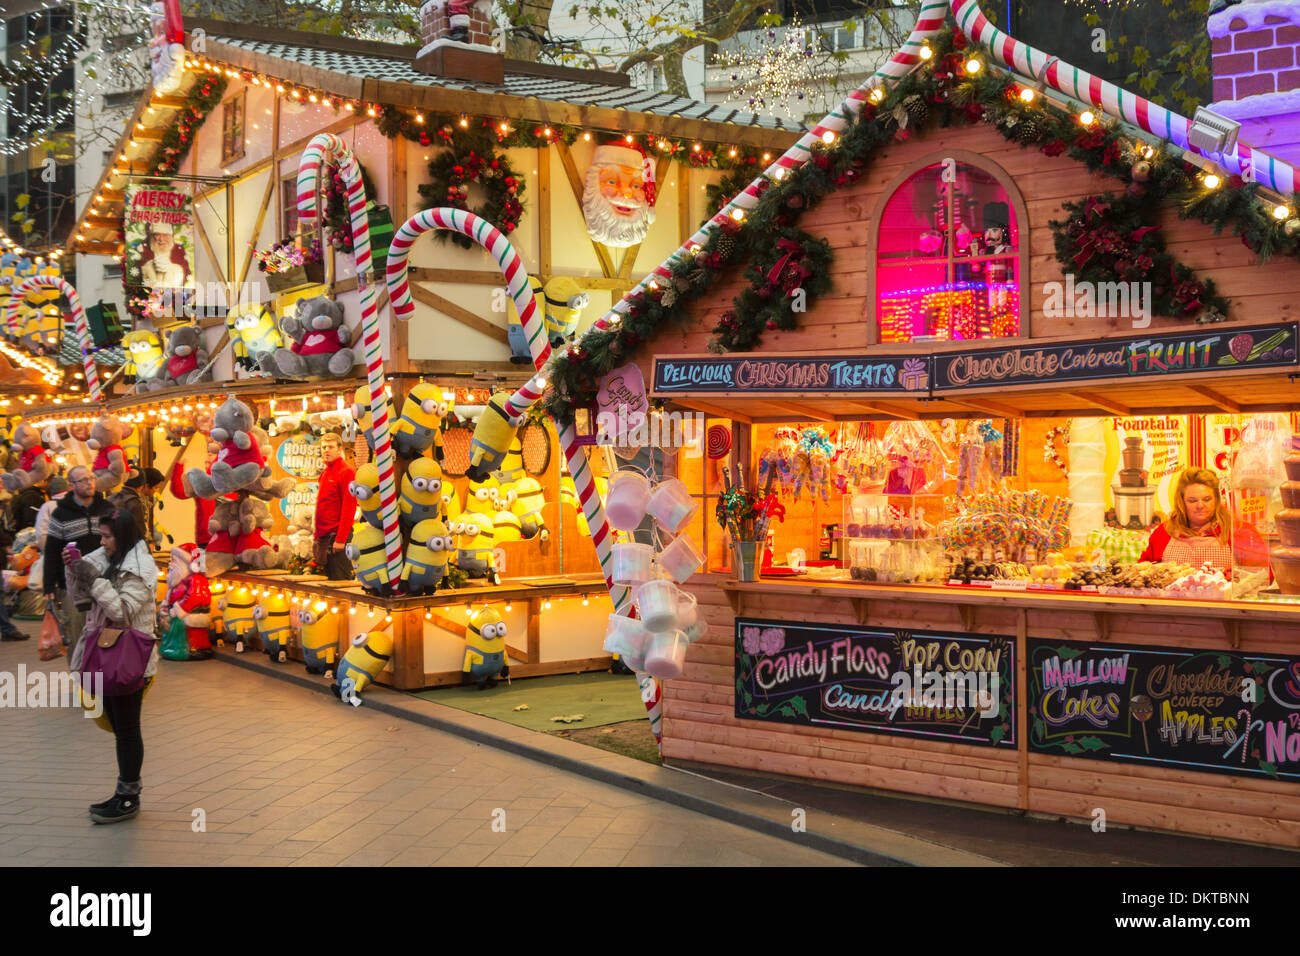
118	809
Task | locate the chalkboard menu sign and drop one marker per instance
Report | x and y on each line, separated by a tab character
840	374
933	684
1215	711
1146	357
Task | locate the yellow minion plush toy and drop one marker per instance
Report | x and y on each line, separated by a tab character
273	626
361	413
318	632
237	613
369	558
483	497
421	497
254	333
512	466
144	354
365	488
485	647
527	508
427	557
493	433
423	412
363	662
565	301
505	527
474	541
451	507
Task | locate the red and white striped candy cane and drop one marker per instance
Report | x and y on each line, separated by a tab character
78	318
516	276
319	150
1072	81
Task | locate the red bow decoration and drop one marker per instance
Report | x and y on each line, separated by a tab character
772	507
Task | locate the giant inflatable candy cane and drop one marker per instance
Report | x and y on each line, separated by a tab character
78	317
499	247
323	147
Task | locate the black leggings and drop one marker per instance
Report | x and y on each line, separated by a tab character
124	716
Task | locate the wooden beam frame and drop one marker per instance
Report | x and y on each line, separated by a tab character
207	246
1220	401
268	196
544	211
873	409
458	313
806	414
717	411
987	407
1100	401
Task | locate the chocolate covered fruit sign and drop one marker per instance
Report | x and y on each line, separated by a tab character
1215	711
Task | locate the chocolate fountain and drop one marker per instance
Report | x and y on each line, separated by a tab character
1134	498
1285	557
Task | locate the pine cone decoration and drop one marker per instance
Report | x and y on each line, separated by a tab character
682	283
917	111
699	278
669	297
726	245
1029	129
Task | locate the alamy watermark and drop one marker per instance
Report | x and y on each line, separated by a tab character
635	429
976	690
39	689
1098	300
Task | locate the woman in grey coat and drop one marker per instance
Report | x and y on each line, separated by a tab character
120	581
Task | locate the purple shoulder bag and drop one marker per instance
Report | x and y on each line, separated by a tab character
121	655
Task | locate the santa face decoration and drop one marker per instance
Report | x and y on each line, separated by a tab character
618	196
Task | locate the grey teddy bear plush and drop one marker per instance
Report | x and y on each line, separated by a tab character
240	461
320	343
186	357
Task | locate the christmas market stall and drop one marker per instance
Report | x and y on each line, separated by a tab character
254	201
998	372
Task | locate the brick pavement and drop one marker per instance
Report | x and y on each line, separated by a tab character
288	777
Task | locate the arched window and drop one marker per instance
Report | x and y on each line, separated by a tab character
948	255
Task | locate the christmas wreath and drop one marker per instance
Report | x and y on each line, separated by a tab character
338	218
468	162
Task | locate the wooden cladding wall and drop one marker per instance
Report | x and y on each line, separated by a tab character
699	725
839	320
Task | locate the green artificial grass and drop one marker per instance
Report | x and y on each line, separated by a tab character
602	698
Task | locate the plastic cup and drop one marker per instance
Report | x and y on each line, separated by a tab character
687	612
666	655
657	603
626	500
671	505
625	636
680	559
630	562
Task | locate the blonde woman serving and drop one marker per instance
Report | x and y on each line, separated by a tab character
1198	529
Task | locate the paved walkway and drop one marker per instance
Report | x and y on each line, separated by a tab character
290	777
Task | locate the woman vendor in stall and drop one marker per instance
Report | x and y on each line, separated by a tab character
1199	527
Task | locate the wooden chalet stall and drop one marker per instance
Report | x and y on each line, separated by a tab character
1159	741
233	139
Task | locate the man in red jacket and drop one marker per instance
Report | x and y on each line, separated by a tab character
335	509
203	507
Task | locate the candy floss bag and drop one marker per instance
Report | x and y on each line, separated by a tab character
915	463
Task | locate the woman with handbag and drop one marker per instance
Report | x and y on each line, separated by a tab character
118	641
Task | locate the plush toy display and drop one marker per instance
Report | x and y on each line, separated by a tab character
483	497
273	626
254	550
364	419
369	561
266	487
34	465
144	359
240	461
189	599
474	543
252	327
106	437
493	433
527	508
485	648
320	340
426	557
186	357
365	488
560	303
421	497
362	663
318	635
420	427
506	527
237	614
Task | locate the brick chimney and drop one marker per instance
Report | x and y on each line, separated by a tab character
1255	51
456	42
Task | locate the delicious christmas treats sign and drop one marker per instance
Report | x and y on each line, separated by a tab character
1216	711
914	683
841	374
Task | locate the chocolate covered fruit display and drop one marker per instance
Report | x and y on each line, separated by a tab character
1285	557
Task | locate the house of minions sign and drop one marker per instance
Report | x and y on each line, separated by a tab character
299	456
302	499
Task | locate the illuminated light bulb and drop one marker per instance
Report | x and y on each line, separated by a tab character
1148	152
767	157
334	609
877	95
1027	95
828	137
419	117
696	147
508	606
778	173
585	602
1212	181
313	98
464	122
352	610
1087	118
586	137
1281	212
926	52
628	137
732	153
541	383
547	605
428	615
738	214
505	127
349	107
973	66
388	618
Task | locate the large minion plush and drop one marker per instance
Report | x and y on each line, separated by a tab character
420	426
512	466
369	558
273	626
483	497
254	333
421	497
505	527
318	634
474	542
363	662
451	506
361	413
144	355
485	648
427	557
237	615
365	488
493	433
527	508
565	301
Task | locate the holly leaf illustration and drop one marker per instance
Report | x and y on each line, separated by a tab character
1093	743
1268	768
1068	653
799	705
762	708
1071	748
1040	729
1224	660
996	734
